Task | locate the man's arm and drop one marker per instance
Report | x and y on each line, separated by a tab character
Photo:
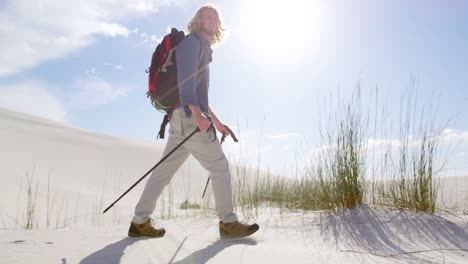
187	59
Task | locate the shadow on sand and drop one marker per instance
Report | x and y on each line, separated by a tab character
112	253
394	233
205	254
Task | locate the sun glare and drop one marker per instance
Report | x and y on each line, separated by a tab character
278	28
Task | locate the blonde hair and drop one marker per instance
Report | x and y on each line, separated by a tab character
194	24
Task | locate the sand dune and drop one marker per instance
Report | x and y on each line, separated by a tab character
89	170
82	165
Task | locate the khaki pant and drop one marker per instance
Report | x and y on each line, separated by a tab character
208	153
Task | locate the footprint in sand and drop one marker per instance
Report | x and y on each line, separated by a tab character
30	242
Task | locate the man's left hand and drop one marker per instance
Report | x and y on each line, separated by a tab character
221	128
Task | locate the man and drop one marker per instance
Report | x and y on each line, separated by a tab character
193	56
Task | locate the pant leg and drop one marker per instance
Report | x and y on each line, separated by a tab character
160	177
211	157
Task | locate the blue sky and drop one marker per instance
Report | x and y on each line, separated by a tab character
274	78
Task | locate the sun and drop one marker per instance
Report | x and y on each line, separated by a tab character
280	28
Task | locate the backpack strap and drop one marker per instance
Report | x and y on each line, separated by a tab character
162	129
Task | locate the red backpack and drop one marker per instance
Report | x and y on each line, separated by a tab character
162	82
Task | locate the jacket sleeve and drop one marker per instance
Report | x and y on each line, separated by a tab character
187	59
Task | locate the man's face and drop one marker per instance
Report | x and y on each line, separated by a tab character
209	21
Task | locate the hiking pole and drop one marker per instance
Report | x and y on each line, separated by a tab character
222	140
146	174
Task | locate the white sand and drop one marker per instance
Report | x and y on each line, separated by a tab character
453	192
89	170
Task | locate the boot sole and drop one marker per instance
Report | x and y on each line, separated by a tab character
141	235
223	234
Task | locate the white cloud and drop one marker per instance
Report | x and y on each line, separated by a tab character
147	39
118	67
383	143
95	91
151	40
454	136
33	32
380	146
320	150
143	6
91	71
34	98
447	138
452	147
44	100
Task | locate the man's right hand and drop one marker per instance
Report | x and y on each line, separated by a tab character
201	121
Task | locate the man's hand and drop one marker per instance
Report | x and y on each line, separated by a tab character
221	128
218	124
201	121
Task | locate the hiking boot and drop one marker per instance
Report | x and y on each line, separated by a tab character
145	229
236	229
